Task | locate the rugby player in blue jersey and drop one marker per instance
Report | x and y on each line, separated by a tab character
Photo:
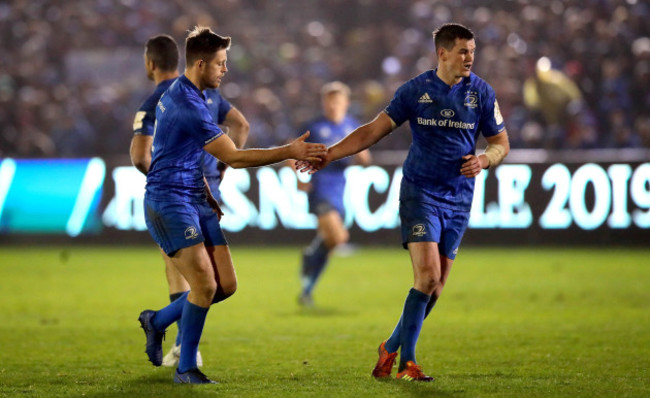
446	108
177	212
161	65
327	187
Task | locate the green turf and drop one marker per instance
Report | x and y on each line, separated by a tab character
512	323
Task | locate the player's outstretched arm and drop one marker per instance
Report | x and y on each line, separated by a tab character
497	149
359	140
224	149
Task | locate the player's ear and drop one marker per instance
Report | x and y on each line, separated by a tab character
441	52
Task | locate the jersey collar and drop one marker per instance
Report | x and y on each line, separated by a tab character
167	83
438	80
184	80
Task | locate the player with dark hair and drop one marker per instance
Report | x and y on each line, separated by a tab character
161	65
326	188
177	212
447	108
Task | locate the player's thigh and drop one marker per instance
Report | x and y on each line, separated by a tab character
425	259
445	268
331	228
175	280
195	265
217	248
223	265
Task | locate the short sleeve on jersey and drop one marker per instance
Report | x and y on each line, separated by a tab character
492	122
138	122
144	121
206	129
398	109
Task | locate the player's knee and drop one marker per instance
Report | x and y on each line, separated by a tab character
429	283
335	239
330	242
343	237
229	289
207	289
224	291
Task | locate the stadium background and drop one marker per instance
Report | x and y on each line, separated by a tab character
572	78
559	321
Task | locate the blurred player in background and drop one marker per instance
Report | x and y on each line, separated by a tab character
327	187
161	63
556	100
179	215
447	108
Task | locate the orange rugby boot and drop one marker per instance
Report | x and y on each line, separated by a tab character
384	363
413	372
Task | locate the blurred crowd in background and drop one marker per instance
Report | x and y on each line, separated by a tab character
568	74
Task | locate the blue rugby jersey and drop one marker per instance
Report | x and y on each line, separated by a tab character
184	125
324	131
445	123
145	117
219	108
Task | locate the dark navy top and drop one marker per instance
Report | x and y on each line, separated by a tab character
146	115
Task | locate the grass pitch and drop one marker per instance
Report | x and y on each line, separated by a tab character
511	323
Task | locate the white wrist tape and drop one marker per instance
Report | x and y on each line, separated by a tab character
495	154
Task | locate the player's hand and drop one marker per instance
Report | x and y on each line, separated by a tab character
306	166
214	205
472	166
301	150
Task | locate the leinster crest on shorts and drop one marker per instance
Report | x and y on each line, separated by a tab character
190	233
418	230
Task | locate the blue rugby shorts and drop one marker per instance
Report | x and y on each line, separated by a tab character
176	225
320	203
424	222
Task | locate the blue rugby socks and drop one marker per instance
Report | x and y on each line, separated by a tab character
173	297
430	305
412	318
314	261
192	327
169	314
394	341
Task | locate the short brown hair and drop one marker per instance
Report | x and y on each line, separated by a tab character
446	35
203	43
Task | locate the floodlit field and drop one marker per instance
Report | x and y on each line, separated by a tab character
512	323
